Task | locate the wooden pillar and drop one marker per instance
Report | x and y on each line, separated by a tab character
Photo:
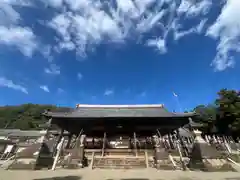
82	149
135	144
69	141
170	141
146	159
104	143
77	155
58	141
190	125
157	151
92	160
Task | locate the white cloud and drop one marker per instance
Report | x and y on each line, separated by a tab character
77	31
193	8
7	14
128	7
46	52
10	84
21	38
17	2
45	88
83	25
80	76
11	33
227	30
178	33
108	92
87	24
151	20
160	44
61	23
53	69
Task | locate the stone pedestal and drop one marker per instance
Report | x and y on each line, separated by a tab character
44	159
161	156
36	156
77	158
206	157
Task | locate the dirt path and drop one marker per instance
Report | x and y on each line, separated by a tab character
146	174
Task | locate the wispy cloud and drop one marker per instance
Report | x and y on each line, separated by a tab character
53	69
227	30
11	32
80	76
60	90
45	88
21	38
8	15
158	43
89	23
194	8
10	84
178	33
47	52
108	92
82	25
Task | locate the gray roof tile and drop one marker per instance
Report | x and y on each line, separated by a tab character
100	112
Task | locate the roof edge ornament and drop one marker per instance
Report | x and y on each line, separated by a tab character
120	106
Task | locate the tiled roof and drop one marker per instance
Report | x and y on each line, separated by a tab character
91	111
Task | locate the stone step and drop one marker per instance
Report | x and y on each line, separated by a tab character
113	152
119	163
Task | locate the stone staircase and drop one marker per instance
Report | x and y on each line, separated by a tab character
114	162
117	159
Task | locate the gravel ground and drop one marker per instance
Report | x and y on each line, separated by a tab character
87	174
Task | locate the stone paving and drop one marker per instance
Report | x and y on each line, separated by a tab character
98	174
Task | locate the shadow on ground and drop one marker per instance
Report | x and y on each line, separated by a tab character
132	179
61	178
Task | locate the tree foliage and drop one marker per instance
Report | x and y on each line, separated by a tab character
26	116
228	111
222	116
208	117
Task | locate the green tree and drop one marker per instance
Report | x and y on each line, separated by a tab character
207	116
228	111
26	116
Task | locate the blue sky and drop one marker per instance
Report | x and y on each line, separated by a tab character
66	52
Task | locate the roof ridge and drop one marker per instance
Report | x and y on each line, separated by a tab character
120	106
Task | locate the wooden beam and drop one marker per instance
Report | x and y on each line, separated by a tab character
59	149
159	134
181	157
185	150
170	141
